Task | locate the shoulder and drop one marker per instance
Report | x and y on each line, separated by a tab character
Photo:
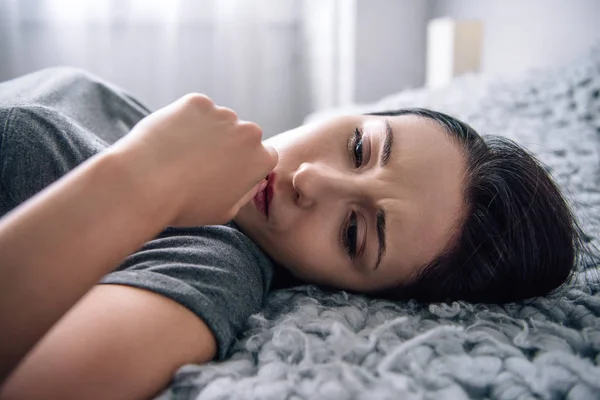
214	237
218	249
21	122
38	86
43	130
14	114
214	271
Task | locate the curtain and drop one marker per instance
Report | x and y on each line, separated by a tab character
272	61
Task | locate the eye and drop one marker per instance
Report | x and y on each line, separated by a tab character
350	236
357	148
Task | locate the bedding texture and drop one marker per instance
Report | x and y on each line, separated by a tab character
310	344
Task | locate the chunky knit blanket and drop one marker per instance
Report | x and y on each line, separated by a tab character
309	344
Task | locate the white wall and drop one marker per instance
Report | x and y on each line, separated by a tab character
390	46
526	34
388	41
390	37
362	50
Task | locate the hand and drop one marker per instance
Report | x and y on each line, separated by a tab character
200	156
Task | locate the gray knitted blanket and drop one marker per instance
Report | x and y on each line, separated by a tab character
308	344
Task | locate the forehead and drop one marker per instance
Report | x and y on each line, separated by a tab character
425	180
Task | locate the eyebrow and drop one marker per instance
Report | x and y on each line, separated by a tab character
380	236
386	152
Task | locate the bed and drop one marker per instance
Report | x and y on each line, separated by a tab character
309	344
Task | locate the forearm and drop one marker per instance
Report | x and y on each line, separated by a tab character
57	245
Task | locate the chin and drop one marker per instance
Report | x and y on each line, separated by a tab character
248	227
244	226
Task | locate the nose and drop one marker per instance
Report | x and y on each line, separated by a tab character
315	182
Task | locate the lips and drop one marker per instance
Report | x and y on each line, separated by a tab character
265	195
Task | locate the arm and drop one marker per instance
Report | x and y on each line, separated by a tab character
118	342
93	218
54	247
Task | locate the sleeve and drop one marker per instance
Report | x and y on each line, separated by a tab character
38	145
216	272
53	120
98	106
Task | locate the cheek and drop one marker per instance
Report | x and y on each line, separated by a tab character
292	156
308	249
310	148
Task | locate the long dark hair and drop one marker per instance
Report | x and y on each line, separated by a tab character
519	238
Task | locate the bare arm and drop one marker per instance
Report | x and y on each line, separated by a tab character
118	342
57	245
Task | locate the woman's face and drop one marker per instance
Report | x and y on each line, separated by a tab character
359	202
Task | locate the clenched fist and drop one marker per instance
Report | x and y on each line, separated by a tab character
200	155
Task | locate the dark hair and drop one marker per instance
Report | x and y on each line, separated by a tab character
518	238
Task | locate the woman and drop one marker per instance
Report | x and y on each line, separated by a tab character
406	204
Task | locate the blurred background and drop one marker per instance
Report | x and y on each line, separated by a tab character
275	61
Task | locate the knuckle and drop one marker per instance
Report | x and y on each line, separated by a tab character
198	100
273	158
227	113
251	130
269	162
265	159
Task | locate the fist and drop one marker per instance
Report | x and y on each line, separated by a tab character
200	155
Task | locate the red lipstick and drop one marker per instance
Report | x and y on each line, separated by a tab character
263	198
270	190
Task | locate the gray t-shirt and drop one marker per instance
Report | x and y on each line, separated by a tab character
53	120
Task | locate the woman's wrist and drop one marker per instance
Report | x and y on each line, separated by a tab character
151	193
